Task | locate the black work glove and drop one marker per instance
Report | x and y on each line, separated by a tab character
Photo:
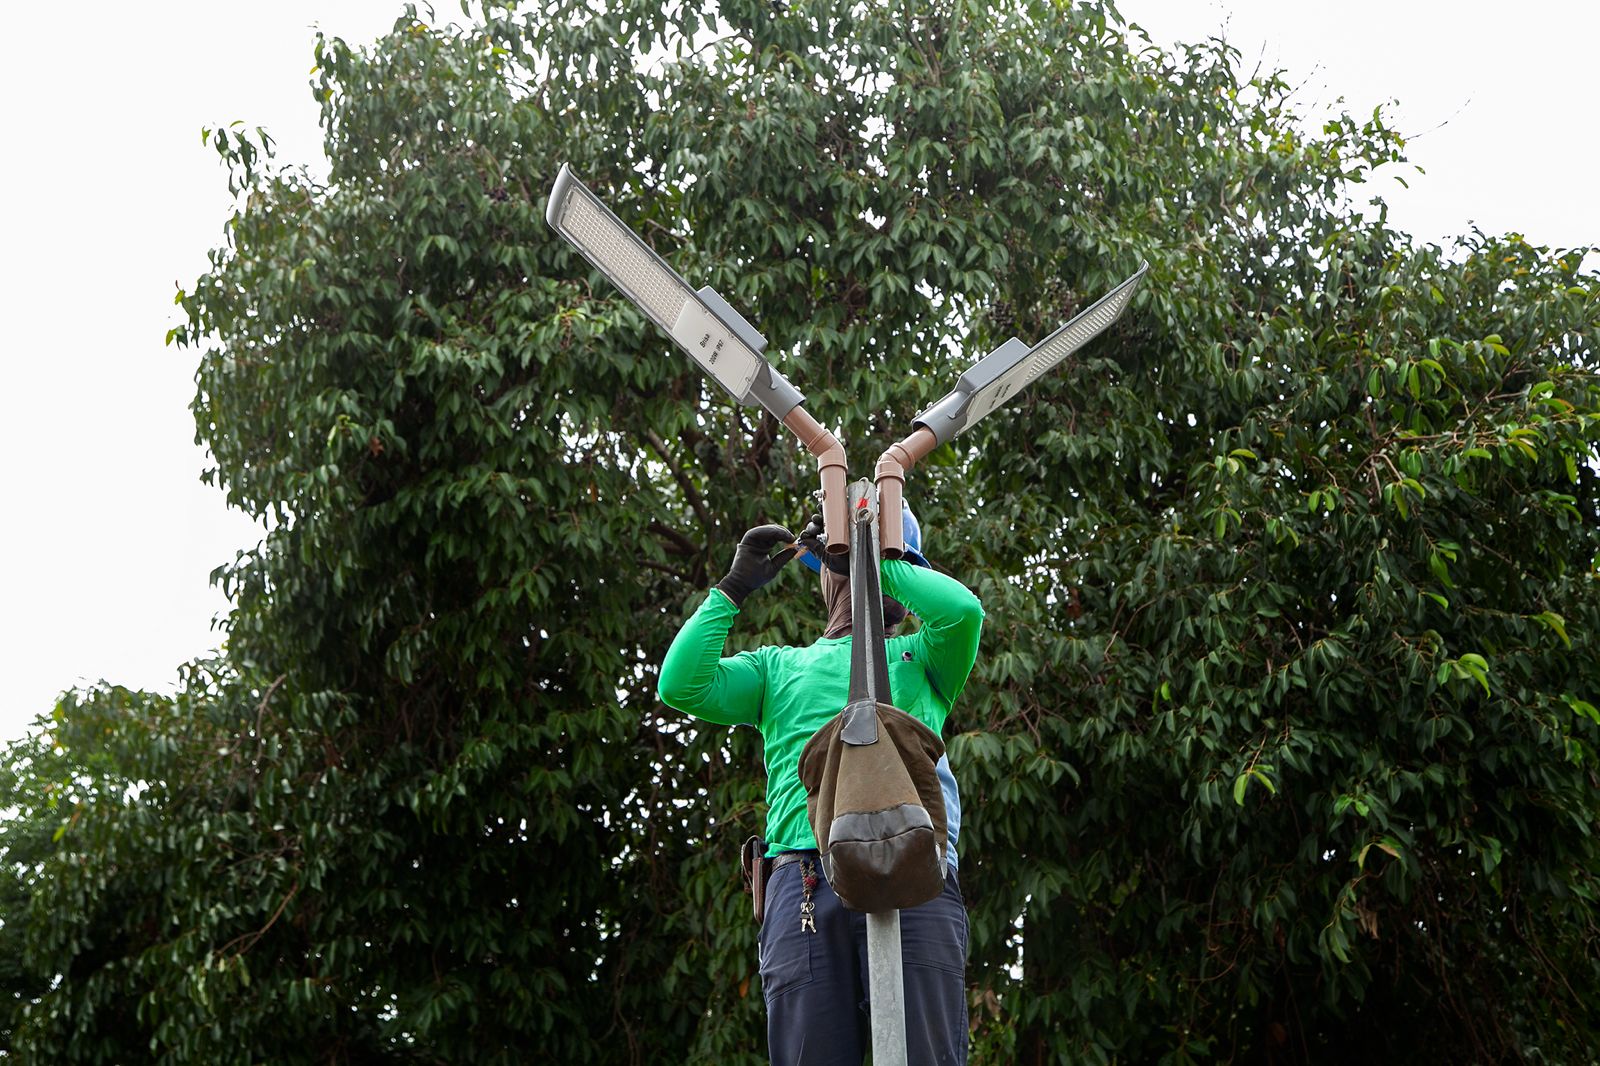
814	540
752	567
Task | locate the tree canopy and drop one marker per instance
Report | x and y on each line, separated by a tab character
1283	740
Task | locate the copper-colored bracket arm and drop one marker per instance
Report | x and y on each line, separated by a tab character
830	468
890	475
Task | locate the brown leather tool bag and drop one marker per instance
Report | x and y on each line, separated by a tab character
756	867
873	798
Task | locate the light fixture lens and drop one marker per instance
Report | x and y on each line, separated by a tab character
998	377
1056	347
621	256
1077	333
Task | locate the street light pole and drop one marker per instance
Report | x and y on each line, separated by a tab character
729	350
869	686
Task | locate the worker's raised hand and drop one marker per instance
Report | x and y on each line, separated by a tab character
753	562
814	540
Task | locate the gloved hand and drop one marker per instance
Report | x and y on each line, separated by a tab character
752	567
814	540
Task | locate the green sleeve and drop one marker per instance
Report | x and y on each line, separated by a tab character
952	619
696	679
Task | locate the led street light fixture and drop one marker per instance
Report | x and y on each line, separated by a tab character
702	323
1003	373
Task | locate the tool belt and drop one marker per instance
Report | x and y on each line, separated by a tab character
757	870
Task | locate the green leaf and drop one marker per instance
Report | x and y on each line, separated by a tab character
1476	667
1582	707
1555	623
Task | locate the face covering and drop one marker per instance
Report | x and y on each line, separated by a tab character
836	599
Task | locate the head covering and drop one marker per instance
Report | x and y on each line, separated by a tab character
910	530
836	600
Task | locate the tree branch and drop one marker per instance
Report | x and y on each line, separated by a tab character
761	444
692	494
664	568
684	545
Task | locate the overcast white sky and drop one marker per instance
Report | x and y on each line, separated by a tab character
108	199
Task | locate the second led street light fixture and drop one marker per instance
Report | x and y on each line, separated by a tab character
999	376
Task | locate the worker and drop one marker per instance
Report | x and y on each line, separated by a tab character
813	956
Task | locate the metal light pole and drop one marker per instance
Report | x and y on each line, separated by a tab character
869	685
730	350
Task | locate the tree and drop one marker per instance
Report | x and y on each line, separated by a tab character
1282	744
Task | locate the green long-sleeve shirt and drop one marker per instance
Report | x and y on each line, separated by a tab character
788	693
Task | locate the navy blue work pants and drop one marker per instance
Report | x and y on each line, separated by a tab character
815	984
